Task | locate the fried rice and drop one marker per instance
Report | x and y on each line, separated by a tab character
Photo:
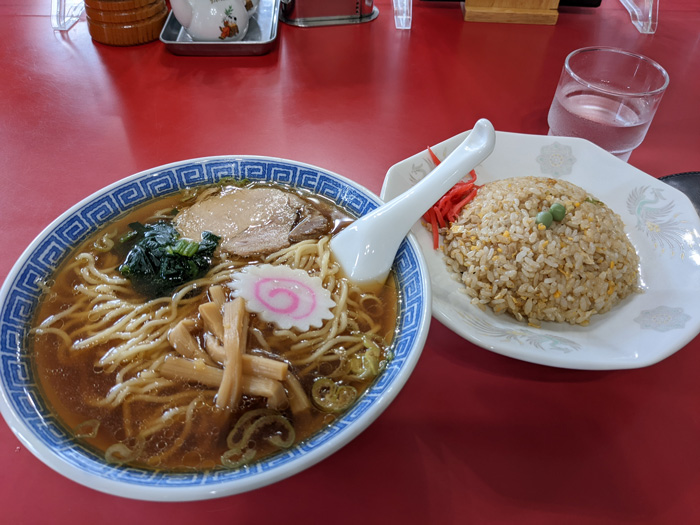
576	267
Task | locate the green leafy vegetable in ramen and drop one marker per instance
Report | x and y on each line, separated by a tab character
159	260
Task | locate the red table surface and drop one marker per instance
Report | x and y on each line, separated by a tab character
474	437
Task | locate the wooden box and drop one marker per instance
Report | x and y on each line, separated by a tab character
512	11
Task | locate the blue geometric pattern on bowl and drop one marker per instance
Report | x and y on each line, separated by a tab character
45	254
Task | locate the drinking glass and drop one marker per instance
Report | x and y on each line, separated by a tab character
608	96
403	13
65	13
644	14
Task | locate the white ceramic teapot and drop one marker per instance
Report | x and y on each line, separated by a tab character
214	20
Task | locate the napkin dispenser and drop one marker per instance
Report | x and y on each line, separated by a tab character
308	13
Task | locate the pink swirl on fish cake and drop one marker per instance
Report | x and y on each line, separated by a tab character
268	292
284	296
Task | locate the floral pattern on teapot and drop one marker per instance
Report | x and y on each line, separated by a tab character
230	27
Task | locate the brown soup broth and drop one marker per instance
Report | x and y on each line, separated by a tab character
73	383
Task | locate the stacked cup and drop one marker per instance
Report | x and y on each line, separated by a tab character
125	22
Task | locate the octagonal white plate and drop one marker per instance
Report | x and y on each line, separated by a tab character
660	221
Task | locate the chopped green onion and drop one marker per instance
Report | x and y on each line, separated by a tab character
128	236
186	247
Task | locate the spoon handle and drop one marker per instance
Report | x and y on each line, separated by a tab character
410	206
366	249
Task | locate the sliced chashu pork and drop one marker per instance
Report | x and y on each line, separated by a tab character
254	221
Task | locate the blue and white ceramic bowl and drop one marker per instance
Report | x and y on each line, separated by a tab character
32	420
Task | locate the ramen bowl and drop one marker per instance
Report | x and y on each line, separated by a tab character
31	417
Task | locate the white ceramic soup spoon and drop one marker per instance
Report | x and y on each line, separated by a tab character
366	249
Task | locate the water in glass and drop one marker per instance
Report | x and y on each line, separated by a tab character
618	126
